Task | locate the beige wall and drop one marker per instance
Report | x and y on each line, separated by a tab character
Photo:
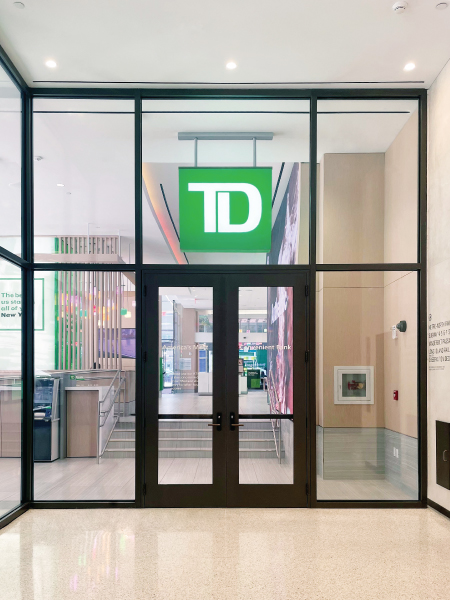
351	208
400	198
438	263
353	336
400	294
303	240
400	355
368	213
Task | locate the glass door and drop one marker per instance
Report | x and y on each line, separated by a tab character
184	390
225	389
266	394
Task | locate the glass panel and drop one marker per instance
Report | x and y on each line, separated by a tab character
10	386
84	400
266	385
287	155
186	385
367	202
84	180
10	164
366	427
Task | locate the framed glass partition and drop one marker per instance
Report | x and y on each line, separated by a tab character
83	180
84	407
10	386
367	396
348	203
368	195
10	164
224	140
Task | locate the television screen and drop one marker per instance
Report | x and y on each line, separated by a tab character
128	343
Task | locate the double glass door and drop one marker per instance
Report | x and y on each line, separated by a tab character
225	389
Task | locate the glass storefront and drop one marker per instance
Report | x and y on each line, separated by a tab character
174	310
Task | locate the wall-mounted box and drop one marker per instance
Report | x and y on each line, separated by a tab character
354	385
443	454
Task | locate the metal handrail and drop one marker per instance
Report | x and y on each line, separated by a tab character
274	410
105	413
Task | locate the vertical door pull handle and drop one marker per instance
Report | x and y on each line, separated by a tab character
443	456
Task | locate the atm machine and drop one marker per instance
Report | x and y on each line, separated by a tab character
46	419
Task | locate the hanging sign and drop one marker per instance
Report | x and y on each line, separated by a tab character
225	210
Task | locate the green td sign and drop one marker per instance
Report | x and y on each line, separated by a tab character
225	210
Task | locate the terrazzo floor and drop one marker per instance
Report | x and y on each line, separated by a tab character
216	554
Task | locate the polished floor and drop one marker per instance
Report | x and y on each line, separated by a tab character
232	554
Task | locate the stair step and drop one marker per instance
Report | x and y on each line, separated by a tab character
184	439
121	445
207	445
119	453
123	435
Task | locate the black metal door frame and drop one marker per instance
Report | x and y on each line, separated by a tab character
179	495
269	495
225	489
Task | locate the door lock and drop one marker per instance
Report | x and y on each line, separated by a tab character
219	422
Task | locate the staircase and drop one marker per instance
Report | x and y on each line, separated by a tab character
193	439
122	442
256	440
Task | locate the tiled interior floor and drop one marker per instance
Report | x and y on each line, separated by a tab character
232	554
113	479
362	489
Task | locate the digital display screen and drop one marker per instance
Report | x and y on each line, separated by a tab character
43	392
128	343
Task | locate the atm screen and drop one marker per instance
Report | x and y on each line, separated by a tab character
43	392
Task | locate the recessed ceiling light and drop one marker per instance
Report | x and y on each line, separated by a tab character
60	184
231	65
441	5
409	67
51	64
20	5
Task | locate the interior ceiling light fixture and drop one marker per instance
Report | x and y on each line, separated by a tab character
409	67
441	5
51	64
231	65
20	5
60	184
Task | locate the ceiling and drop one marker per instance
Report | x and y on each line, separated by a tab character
155	43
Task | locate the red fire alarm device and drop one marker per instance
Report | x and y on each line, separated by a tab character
395	394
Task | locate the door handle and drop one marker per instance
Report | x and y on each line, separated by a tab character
233	424
219	422
443	456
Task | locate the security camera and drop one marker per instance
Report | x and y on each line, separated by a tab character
400	7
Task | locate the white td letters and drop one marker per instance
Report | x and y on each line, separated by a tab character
223	206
